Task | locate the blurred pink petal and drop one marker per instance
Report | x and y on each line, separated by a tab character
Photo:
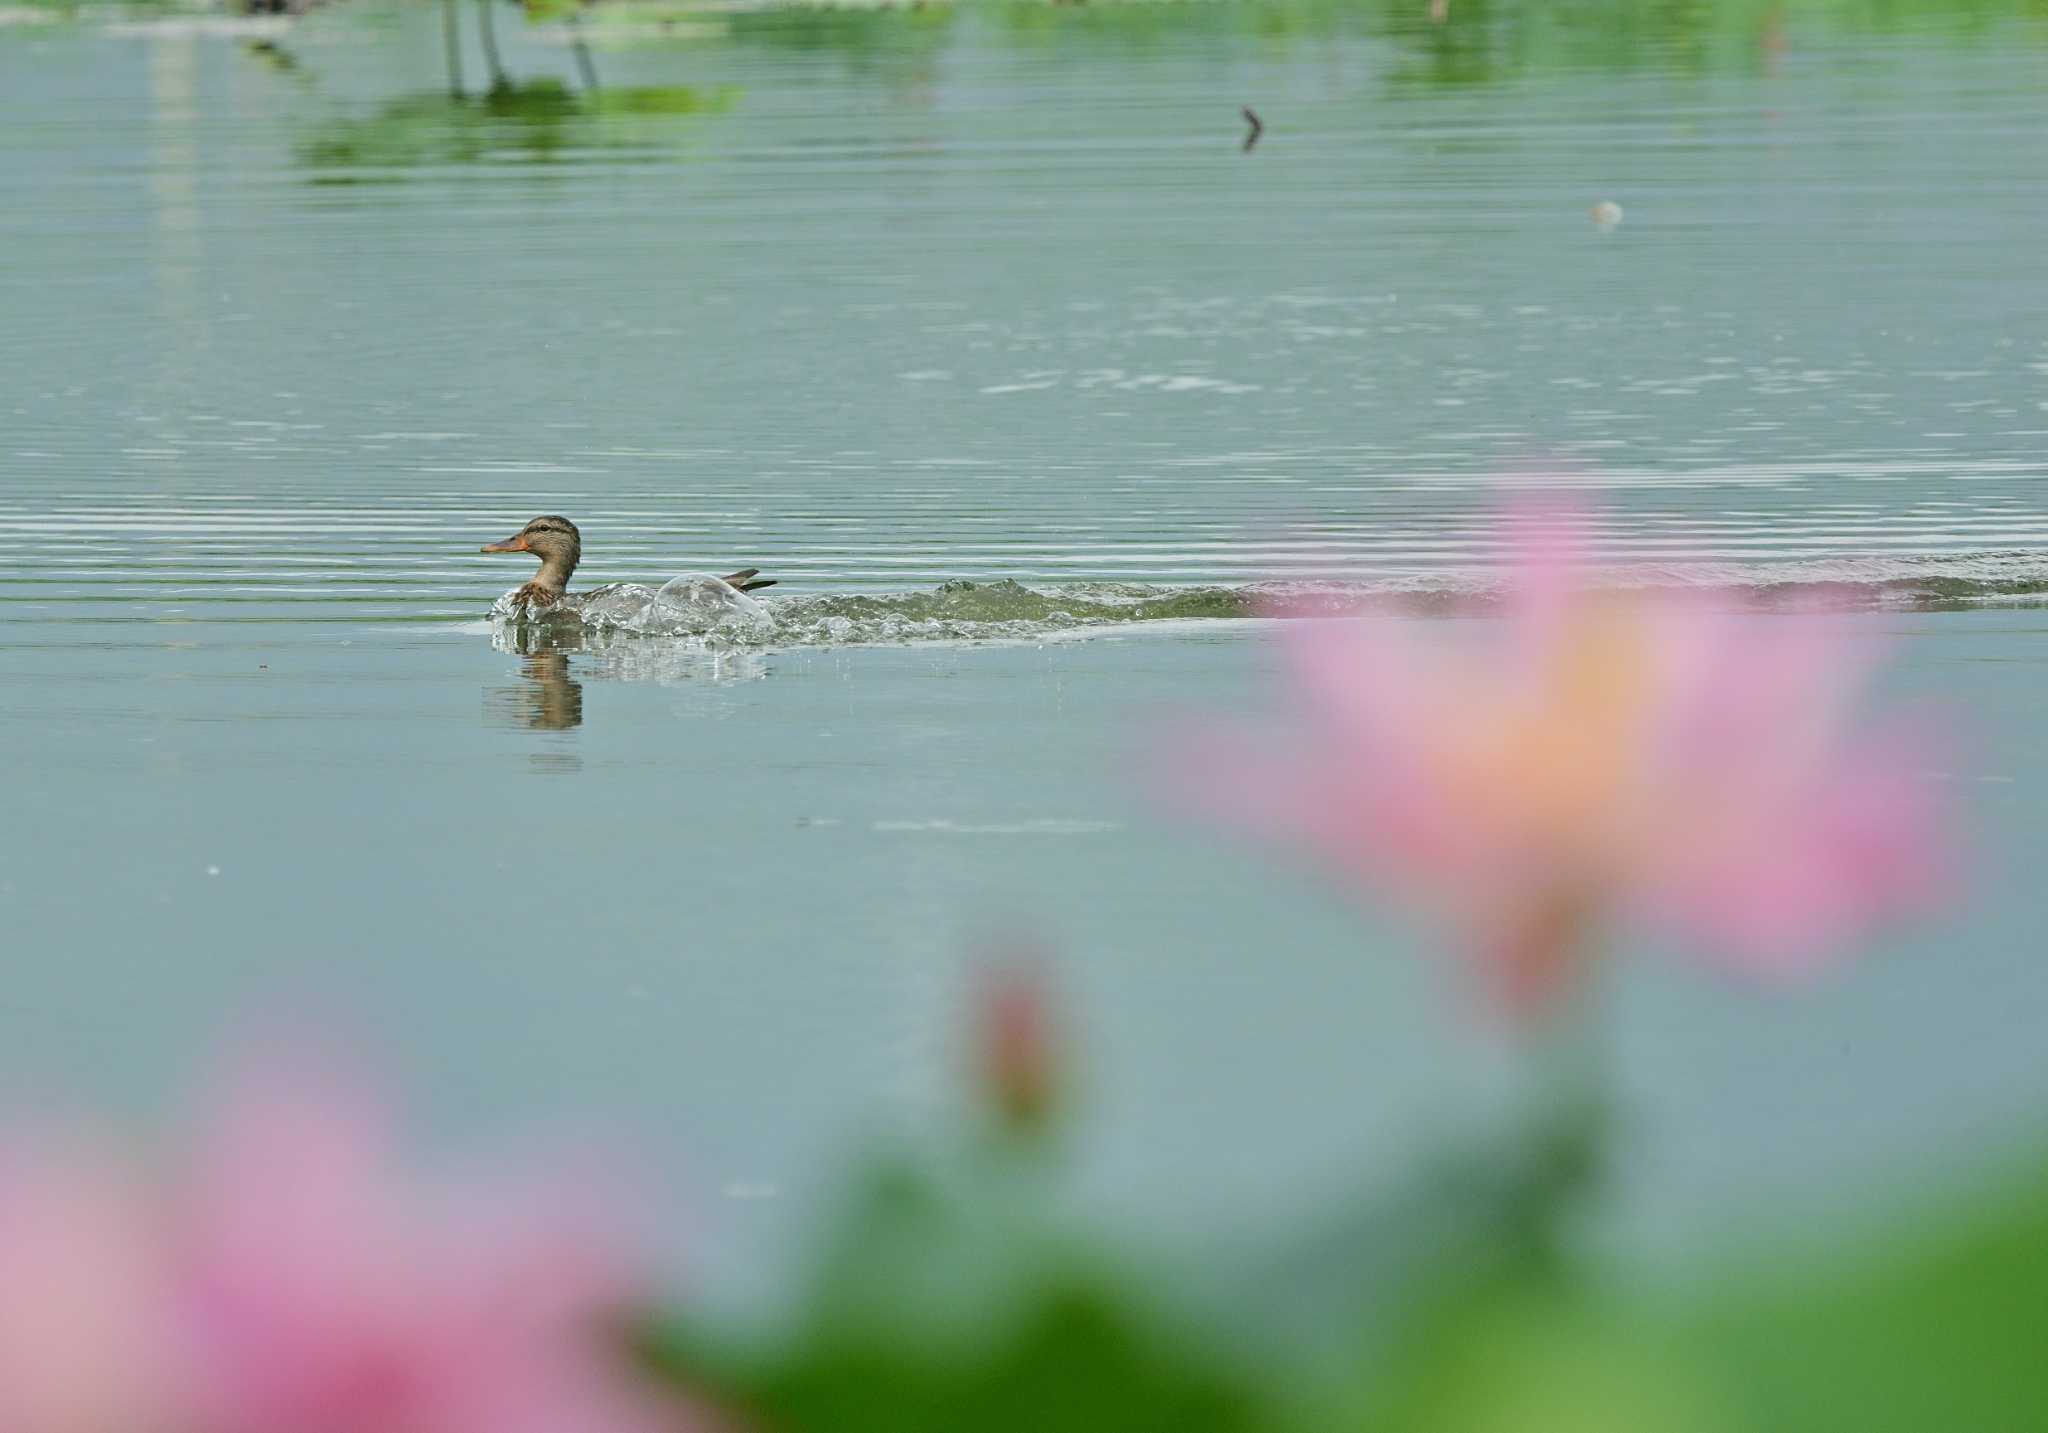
327	1291
82	1284
1591	754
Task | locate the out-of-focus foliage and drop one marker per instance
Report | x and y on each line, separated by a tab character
1477	42
951	1294
532	122
951	1299
1939	1321
956	1299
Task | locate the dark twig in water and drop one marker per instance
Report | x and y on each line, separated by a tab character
584	66
451	41
487	29
1251	118
272	54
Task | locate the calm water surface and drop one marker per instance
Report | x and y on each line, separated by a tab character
878	303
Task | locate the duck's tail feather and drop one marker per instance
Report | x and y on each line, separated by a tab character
748	579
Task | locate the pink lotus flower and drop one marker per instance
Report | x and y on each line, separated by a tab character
290	1277
324	1291
1600	752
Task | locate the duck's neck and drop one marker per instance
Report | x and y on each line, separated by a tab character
554	573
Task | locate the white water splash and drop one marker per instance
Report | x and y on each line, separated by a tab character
693	605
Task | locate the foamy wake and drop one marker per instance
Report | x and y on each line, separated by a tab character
703	612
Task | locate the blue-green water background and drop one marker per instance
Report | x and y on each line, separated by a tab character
877	301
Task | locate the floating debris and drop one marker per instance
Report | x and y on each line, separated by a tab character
1251	138
1606	216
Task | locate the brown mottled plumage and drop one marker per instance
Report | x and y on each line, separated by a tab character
555	541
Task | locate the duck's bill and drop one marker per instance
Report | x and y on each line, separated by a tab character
515	543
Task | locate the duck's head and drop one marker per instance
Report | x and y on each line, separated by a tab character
554	540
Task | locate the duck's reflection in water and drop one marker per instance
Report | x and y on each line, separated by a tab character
550	696
549	699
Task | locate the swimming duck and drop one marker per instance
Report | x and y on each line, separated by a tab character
555	541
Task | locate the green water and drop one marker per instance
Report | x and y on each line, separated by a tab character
883	303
